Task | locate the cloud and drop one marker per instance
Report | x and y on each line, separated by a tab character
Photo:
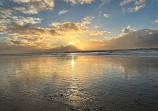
143	38
6	48
26	30
41	5
33	6
136	8
1	3
42	39
25	35
73	2
19	26
23	1
5	13
106	15
86	1
95	33
138	4
25	10
62	12
4	22
124	2
68	27
156	21
19	20
9	14
126	31
26	20
103	2
65	48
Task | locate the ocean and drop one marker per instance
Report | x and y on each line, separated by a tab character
114	80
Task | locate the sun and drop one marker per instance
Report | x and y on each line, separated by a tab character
72	43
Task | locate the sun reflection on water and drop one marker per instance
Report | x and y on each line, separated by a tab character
72	63
73	80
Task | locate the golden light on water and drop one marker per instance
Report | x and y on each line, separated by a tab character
73	63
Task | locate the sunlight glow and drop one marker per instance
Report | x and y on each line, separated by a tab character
72	43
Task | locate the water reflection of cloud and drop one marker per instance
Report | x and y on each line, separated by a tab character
73	75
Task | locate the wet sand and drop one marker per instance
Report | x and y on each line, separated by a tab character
78	83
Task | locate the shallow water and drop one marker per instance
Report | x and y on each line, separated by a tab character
78	83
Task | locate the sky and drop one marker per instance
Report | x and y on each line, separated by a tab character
41	25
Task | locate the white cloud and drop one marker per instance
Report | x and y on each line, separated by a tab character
25	10
103	2
124	2
26	20
5	13
106	15
86	1
156	21
34	6
73	2
62	12
27	35
4	22
19	20
126	31
139	7
41	5
23	1
138	4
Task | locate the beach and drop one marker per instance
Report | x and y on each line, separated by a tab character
78	83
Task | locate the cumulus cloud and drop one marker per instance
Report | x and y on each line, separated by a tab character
28	30
103	2
20	27
40	5
124	2
70	28
143	38
26	20
106	15
8	15
137	5
5	13
136	8
32	6
27	35
6	48
23	1
126	31
156	21
24	10
73	2
19	20
4	22
62	12
95	33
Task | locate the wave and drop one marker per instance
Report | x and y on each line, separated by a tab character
122	52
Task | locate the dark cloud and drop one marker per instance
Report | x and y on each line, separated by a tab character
28	29
144	38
